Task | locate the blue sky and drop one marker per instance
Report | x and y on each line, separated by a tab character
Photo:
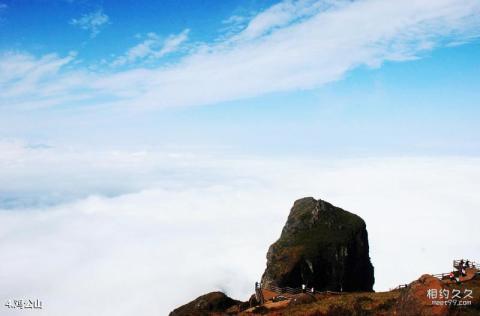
416	95
43	27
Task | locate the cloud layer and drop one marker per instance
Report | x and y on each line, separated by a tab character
164	238
292	45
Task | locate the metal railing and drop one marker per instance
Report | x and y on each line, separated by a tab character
282	290
441	276
471	264
456	265
293	291
399	287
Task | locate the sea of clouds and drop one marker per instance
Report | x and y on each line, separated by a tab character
112	232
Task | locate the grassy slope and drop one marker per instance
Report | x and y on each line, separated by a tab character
366	304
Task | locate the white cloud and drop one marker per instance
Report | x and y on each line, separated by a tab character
234	19
152	48
172	42
173	236
280	15
91	22
291	46
29	82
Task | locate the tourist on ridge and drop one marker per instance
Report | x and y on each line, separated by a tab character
451	276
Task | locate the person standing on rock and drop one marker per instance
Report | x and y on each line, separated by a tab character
451	276
461	268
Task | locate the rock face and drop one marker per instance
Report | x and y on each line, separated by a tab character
414	300
323	247
214	302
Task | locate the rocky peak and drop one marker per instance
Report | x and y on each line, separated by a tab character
214	302
322	246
